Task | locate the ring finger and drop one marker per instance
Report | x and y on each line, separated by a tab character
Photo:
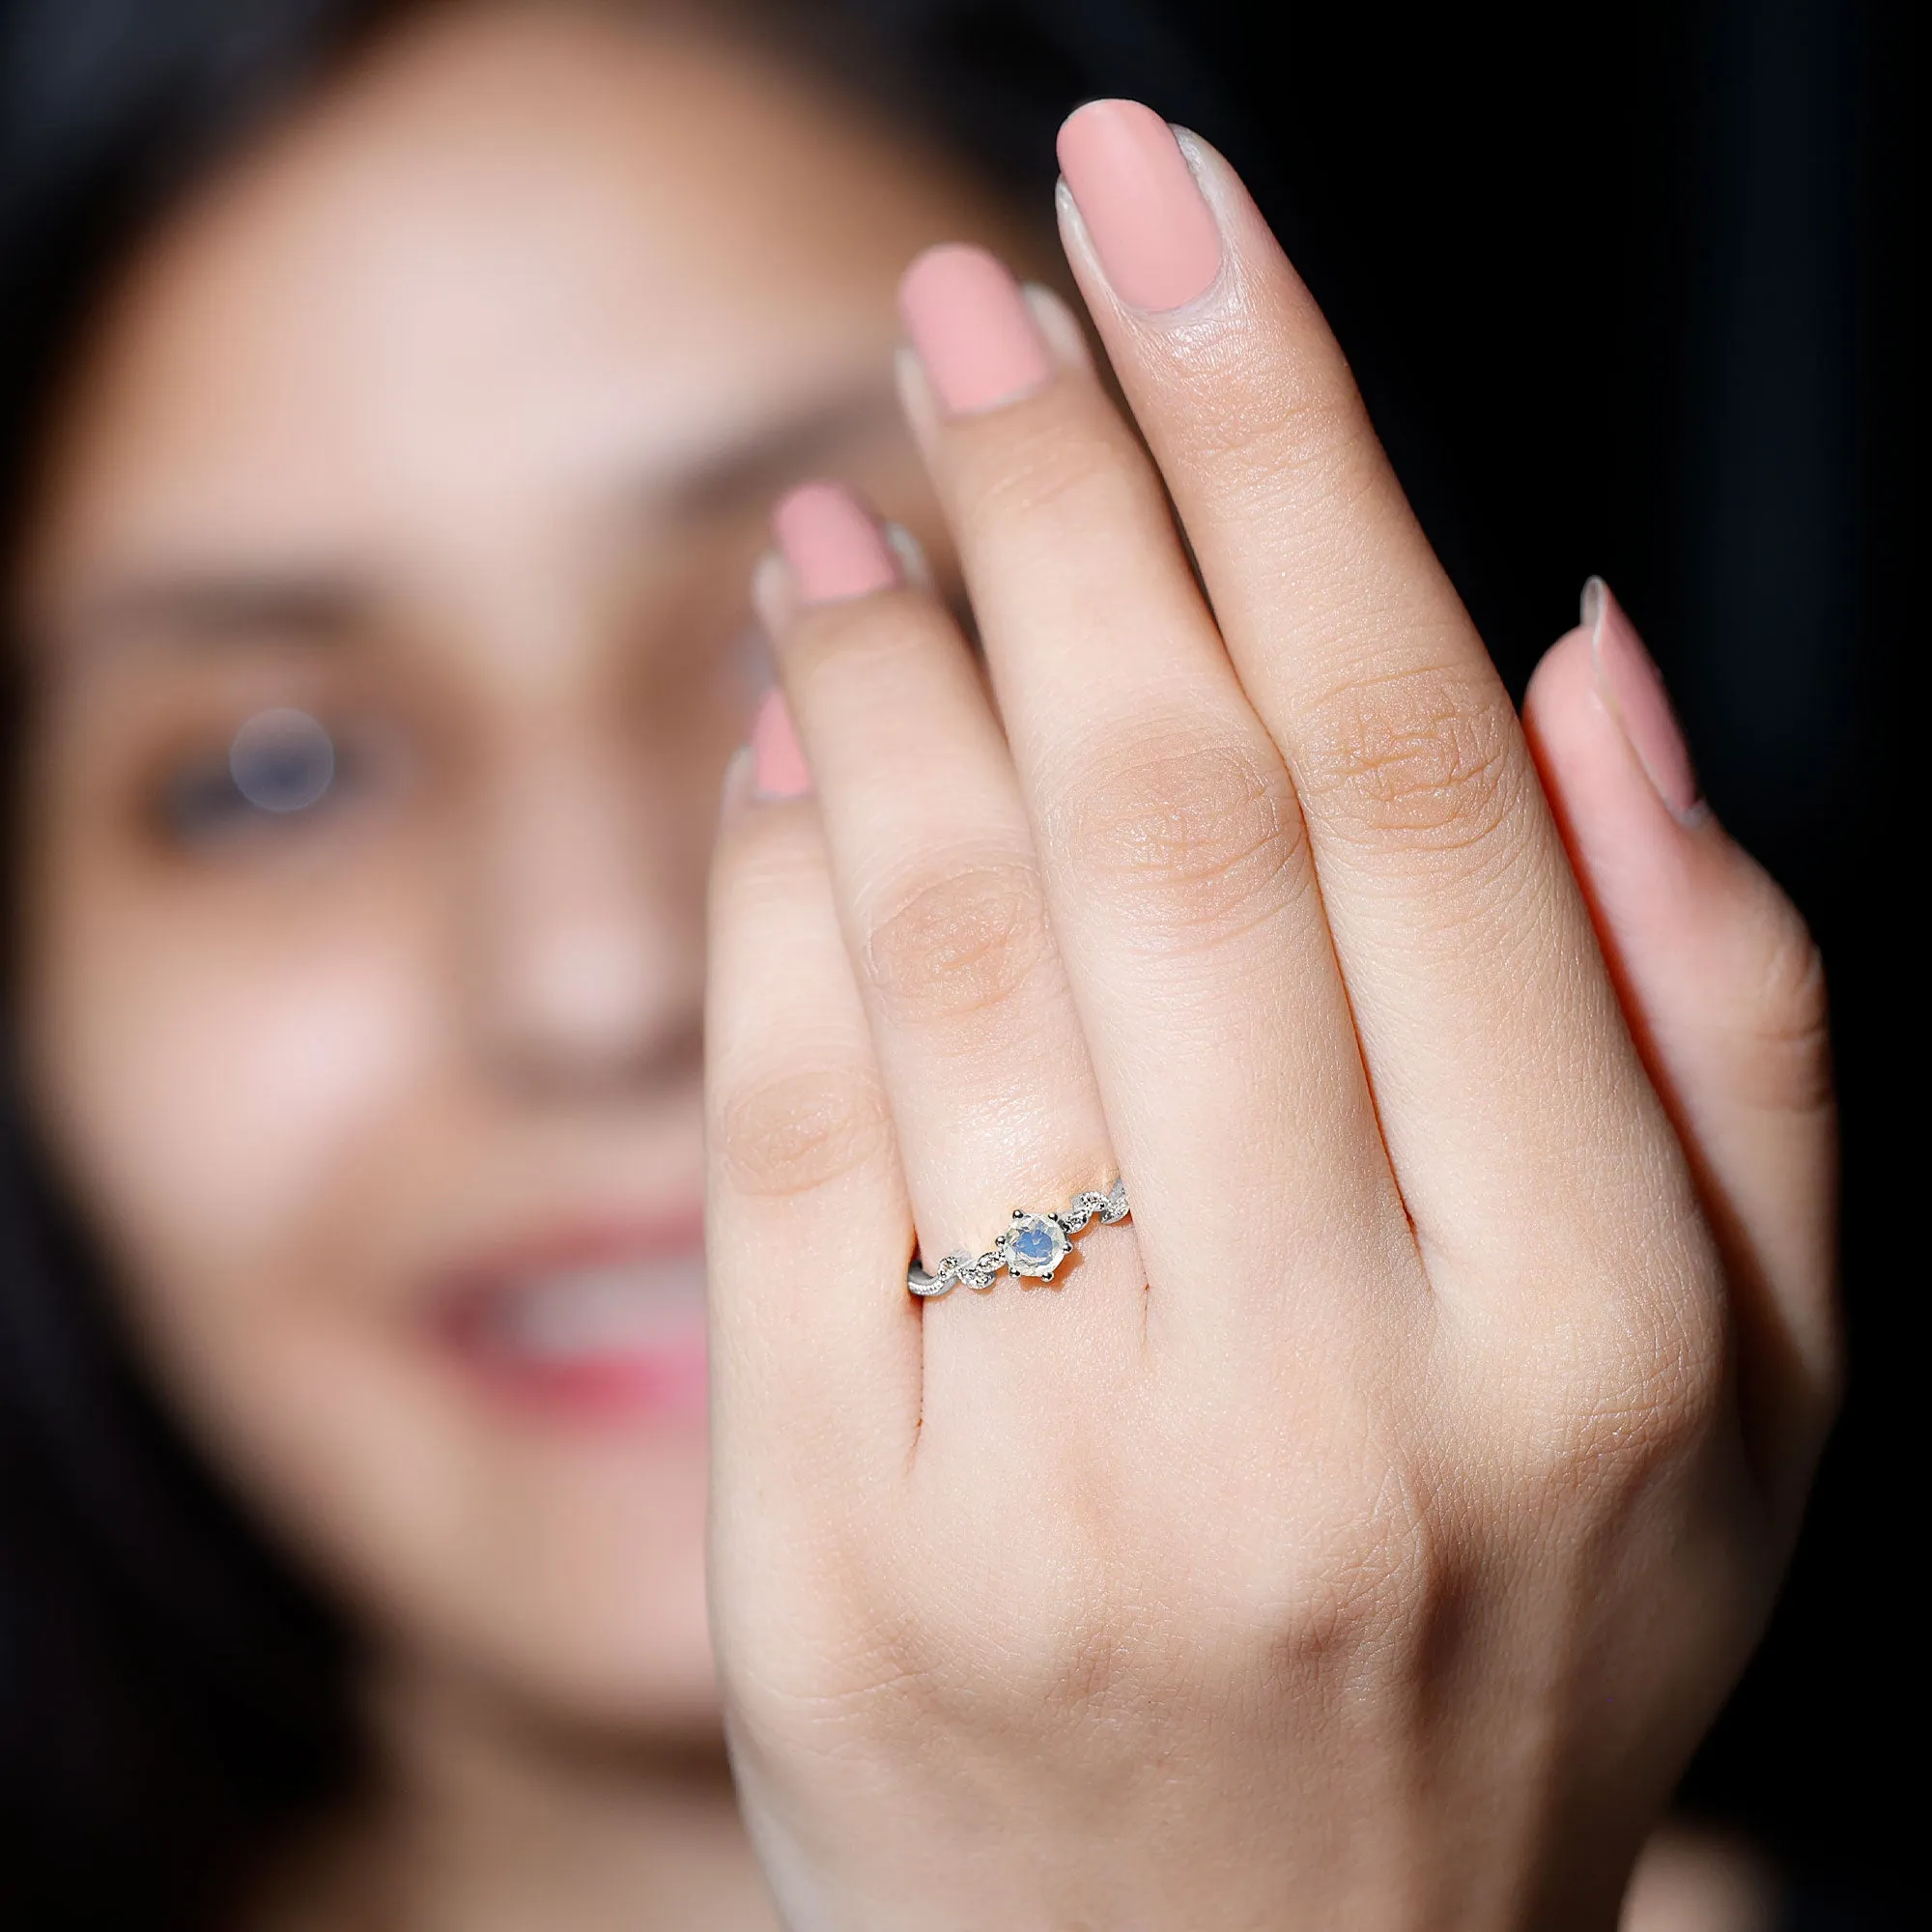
987	1075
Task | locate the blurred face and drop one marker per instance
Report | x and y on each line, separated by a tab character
390	631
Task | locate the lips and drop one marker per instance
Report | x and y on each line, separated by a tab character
606	1323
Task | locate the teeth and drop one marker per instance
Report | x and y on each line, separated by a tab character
609	1309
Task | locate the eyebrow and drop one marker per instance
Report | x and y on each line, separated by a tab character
321	604
222	604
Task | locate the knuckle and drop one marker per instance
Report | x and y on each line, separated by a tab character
960	943
1655	1413
1284	431
1785	1014
1276	382
1058	471
794	1132
1643	1395
758	867
1380	1570
846	640
1206	840
1419	760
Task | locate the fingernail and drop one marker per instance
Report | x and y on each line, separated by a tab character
1632	689
740	781
1156	236
973	329
1059	327
915	566
834	545
778	760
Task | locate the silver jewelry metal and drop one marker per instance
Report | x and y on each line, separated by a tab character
1030	1247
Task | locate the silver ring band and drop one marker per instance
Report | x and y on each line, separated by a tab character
1030	1248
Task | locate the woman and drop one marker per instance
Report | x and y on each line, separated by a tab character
1367	1527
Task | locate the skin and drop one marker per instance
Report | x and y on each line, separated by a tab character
451	415
452	418
1374	1523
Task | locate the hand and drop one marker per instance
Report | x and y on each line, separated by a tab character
1365	1533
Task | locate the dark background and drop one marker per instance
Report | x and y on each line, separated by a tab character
1627	289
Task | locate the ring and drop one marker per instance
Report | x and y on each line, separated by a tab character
1028	1248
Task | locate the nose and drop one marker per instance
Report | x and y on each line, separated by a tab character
585	941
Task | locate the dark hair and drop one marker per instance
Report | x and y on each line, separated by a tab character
173	1694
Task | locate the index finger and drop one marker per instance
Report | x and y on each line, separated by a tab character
1487	1018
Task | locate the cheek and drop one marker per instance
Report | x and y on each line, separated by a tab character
204	1086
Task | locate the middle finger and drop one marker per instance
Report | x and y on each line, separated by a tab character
1178	871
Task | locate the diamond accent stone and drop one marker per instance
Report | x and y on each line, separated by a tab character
1082	1209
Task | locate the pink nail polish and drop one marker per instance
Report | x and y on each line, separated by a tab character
1631	688
778	760
1154	234
973	329
833	543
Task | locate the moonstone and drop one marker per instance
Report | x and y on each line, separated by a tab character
1034	1245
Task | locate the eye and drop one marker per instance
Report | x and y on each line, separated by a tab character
283	761
279	764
